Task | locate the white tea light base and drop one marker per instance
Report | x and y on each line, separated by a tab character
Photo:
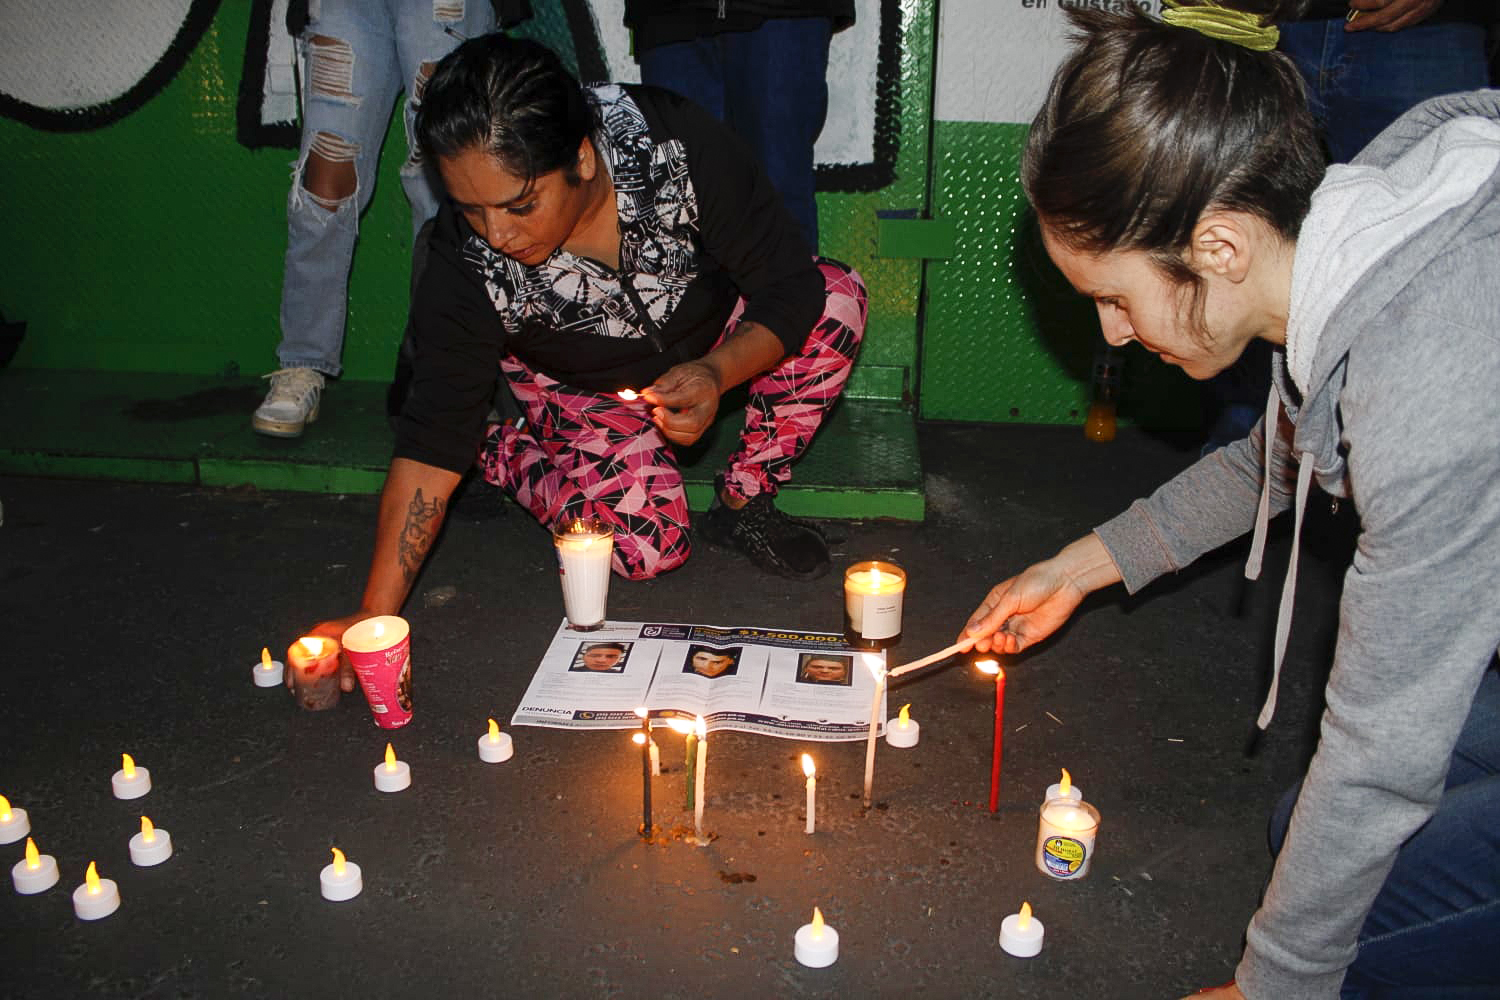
145	853
14	827
493	751
1021	943
390	778
903	734
339	886
816	945
268	677
98	904
131	786
29	881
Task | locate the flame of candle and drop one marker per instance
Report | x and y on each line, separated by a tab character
338	862
991	667
33	856
91	878
494	731
390	758
638	738
4	809
265	658
680	725
808	767
629	395
641	712
148	832
904	718
377	630
872	664
127	764
702	729
817	924
1066	784
1023	920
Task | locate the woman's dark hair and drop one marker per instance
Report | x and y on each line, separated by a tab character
1147	126
509	97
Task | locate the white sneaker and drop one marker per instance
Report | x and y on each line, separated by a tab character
291	404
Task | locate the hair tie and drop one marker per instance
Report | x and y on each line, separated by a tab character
1225	24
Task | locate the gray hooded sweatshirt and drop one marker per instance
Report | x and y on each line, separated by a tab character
1388	393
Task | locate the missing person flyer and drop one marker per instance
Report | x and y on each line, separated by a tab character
779	682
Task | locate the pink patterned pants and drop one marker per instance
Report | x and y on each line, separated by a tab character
583	454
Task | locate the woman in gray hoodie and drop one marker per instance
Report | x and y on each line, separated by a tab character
1177	181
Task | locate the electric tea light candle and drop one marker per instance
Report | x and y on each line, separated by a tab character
130	782
13	822
1021	933
269	672
816	944
393	775
495	746
904	732
36	872
340	880
97	898
151	846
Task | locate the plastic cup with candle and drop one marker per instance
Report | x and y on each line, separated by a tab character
268	672
392	775
904	732
1021	934
13	822
1065	838
36	872
584	548
811	770
97	897
340	879
1063	789
380	650
130	782
495	746
151	846
815	944
873	594
315	672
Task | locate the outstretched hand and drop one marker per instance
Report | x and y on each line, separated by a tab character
684	401
334	629
1027	608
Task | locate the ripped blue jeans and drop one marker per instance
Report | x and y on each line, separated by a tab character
357	56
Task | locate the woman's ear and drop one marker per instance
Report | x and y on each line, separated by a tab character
588	159
1224	244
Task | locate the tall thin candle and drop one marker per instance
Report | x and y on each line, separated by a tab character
992	667
873	663
702	770
644	739
961	646
811	770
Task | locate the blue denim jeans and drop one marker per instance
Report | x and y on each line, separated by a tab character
770	86
1434	929
1359	82
377	50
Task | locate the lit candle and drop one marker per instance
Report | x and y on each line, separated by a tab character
130	782
992	667
1065	838
151	846
872	662
495	746
97	897
816	944
810	769
961	646
643	740
34	873
690	759
269	672
904	732
585	547
1021	933
698	781
655	752
393	775
340	880
13	822
873	592
1064	789
315	672
628	395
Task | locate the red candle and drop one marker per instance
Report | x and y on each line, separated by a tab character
992	667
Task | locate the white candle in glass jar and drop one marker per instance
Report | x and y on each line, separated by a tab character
873	593
1065	838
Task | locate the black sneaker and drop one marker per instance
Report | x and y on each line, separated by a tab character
775	542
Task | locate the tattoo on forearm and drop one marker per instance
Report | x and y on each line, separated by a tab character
422	520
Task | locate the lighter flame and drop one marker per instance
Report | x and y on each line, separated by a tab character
817	924
494	731
4	809
904	719
1066	784
312	645
33	856
629	395
641	712
702	729
1023	919
808	767
91	878
638	738
148	832
338	862
127	765
872	663
265	658
682	726
390	757
991	667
